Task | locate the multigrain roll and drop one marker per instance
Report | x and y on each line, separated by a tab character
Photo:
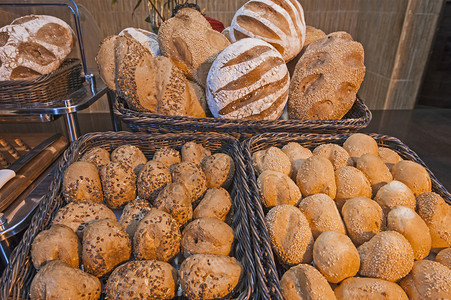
194	152
216	203
105	245
389	157
130	155
58	242
98	156
146	38
337	155
368	289
351	183
304	281
81	181
118	183
290	235
272	159
219	169
358	144
316	175
427	280
167	156
132	214
152	178
406	221
276	188
363	219
297	155
322	214
192	177
375	170
413	175
393	194
208	276
388	255
335	256
146	279
444	257
175	200
58	280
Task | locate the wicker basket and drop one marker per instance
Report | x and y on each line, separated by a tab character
18	275
46	89
358	117
267	267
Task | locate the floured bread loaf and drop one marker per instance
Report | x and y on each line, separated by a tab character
248	80
190	42
106	59
278	22
327	78
33	45
146	38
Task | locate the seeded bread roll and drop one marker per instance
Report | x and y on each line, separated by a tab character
132	214
82	212
276	188
167	156
405	221
58	242
157	237
358	144
193	152
388	255
322	214
98	156
219	169
413	175
363	218
119	184
335	256
369	289
146	38
375	170
389	157
337	155
297	155
129	155
290	235
427	280
351	183
175	200
395	193
152	178
216	203
272	159
444	257
105	245
305	282
147	279
207	236
248	80
81	181
207	276
316	175
58	280
192	177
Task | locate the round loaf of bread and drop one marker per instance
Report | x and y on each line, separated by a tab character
444	257
413	175
194	152
219	169
389	157
276	188
368	289
98	156
375	170
105	245
192	177
132	214
152	178
290	235
358	144
81	181
248	80
207	236
118	183
272	159
208	276
322	214
146	279
58	242
280	23
395	193
157	237
351	183
58	280
175	200
167	156
388	255
335	256
297	155
106	59
337	155
129	155
216	203
327	78
428	280
406	221
316	175
146	38
304	281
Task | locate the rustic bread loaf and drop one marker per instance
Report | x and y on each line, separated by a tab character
368	289
106	59
118	183
81	181
278	22
248	80
146	38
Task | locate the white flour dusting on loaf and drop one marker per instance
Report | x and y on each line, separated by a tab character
146	38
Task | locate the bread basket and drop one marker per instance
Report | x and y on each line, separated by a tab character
18	275
268	270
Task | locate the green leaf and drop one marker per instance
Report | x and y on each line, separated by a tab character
136	6
113	2
148	19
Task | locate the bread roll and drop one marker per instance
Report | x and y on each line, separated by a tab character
427	280
58	242
105	245
305	282
388	255
175	200
351	183
119	184
192	177
146	38
276	188
81	181
280	23
316	175
147	279
219	169
375	170
369	289
157	237
130	155
194	152
290	235
363	218
207	276
413	175
98	156
358	144
405	221
389	157
207	236
58	280
297	155
444	257
337	155
216	203
152	178
248	80
132	214
395	193
167	156
272	159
